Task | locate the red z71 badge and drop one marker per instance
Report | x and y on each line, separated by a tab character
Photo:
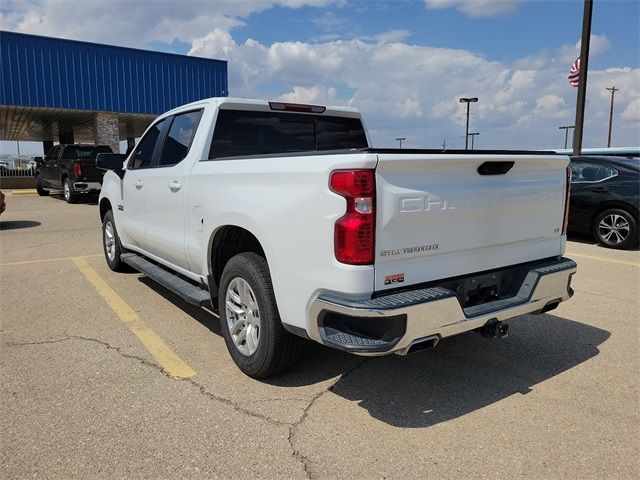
395	278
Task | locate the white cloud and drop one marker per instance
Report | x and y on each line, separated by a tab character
476	8
393	36
598	44
403	90
312	95
413	91
550	106
410	107
134	23
632	112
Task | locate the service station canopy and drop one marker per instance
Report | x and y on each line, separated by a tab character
50	87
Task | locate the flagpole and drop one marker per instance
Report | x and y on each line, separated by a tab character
584	67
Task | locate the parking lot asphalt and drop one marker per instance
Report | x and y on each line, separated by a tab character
85	393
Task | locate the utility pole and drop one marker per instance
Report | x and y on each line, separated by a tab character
566	133
467	100
400	139
473	135
18	141
584	68
444	144
613	91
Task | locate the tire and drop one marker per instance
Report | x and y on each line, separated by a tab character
41	191
616	228
270	349
69	195
111	245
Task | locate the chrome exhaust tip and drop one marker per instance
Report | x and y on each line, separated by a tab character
420	344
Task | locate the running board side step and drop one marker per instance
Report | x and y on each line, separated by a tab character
188	291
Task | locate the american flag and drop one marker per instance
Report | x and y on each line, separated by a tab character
574	73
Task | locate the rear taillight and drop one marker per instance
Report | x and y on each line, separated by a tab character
77	169
354	234
567	192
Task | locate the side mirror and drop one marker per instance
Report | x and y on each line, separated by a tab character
109	161
38	160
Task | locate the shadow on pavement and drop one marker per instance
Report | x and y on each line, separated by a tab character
205	316
17	224
468	372
462	374
88	199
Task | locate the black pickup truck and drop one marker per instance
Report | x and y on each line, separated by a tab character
70	169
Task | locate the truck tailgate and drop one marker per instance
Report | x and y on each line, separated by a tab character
89	171
438	217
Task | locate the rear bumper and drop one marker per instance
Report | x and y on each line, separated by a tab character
86	187
392	323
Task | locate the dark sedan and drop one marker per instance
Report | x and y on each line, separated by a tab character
605	199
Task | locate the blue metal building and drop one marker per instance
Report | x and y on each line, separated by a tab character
51	87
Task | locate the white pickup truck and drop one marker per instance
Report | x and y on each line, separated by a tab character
282	218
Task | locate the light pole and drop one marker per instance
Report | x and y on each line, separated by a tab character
566	133
467	100
400	139
472	135
613	91
582	79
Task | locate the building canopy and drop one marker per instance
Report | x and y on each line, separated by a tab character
50	87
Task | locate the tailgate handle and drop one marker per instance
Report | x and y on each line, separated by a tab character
495	168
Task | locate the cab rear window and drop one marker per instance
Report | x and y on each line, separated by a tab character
84	152
245	133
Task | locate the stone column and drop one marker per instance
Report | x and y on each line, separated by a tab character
105	125
131	143
65	137
46	146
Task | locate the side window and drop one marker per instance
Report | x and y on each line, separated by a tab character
69	153
178	141
52	154
582	172
143	153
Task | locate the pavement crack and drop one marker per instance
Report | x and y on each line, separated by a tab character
235	405
293	429
606	296
108	346
43	342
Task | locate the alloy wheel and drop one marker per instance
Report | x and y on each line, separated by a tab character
110	241
614	229
243	316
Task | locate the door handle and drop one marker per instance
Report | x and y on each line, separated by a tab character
139	184
599	190
175	186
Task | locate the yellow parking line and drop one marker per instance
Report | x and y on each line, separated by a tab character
45	260
173	365
621	262
26	191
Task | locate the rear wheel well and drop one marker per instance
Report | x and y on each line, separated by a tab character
105	206
229	241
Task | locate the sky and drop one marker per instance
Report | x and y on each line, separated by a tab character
404	64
